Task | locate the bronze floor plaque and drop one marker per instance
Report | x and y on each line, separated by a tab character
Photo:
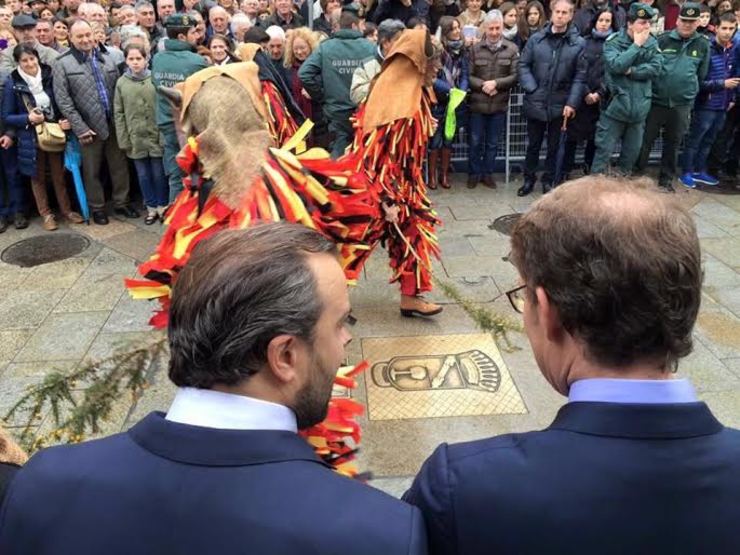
437	375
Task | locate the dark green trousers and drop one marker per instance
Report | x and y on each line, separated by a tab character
608	132
674	122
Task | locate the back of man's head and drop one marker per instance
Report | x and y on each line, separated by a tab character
239	290
621	265
348	20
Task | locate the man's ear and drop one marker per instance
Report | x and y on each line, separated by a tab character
283	356
548	316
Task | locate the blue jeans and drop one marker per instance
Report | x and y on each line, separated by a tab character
11	185
705	125
485	130
171	169
152	181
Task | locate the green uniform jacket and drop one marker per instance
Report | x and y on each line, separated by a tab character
134	113
686	62
327	73
629	72
178	62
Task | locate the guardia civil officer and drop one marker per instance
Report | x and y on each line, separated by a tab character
686	55
632	62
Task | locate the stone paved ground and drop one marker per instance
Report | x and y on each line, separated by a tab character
59	314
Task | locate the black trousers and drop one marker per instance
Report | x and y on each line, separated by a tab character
535	135
726	149
675	123
570	154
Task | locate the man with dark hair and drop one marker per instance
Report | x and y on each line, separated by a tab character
257	331
610	289
169	67
717	92
327	76
685	64
632	61
147	20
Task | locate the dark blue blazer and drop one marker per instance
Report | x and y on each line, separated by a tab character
167	488
603	478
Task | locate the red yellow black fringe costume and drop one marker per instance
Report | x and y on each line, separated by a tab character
390	147
340	198
311	190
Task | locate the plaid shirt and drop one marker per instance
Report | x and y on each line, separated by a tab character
100	83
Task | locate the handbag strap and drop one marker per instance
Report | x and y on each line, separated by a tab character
27	103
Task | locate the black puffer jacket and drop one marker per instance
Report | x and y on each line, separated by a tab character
550	74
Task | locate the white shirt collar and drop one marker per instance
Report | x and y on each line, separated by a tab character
227	411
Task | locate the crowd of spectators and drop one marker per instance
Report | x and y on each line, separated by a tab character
93	69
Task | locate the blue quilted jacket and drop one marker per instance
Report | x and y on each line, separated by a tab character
712	92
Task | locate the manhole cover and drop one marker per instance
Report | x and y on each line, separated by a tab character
505	224
43	249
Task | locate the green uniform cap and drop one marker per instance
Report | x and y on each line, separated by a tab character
641	11
180	20
690	11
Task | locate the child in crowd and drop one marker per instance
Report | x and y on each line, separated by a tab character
137	132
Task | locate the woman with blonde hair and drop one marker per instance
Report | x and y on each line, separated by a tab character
299	45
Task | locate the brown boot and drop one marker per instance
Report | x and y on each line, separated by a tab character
489	181
417	306
445	169
50	223
433	159
74	218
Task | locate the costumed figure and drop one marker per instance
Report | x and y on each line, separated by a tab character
235	179
393	129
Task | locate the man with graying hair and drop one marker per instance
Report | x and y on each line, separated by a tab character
610	286
258	328
84	86
388	31
24	29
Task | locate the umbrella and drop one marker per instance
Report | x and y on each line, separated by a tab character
72	161
560	157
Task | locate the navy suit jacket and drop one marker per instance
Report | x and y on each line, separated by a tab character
168	488
603	478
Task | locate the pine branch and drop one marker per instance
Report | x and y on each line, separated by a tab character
487	320
73	417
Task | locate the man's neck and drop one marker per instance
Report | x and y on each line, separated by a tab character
725	45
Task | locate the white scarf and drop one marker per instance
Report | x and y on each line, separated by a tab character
37	88
510	34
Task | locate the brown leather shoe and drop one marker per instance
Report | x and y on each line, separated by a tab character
74	218
489	181
417	306
473	181
50	223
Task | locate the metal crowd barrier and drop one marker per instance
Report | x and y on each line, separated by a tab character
513	146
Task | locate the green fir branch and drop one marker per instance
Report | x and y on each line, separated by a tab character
78	411
487	320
